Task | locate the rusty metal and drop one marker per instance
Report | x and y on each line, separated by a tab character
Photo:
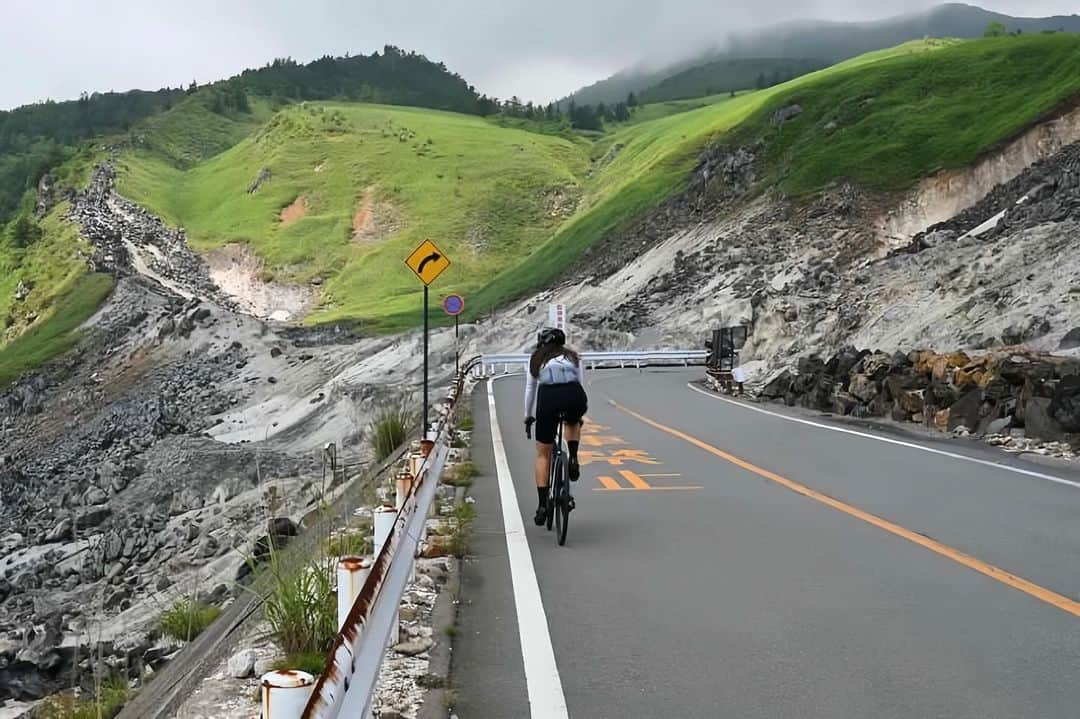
346	687
284	693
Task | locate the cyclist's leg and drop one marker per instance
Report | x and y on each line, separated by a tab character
543	469
546	424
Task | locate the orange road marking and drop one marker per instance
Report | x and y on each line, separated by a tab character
616	458
997	574
599	440
634	479
609	484
650	489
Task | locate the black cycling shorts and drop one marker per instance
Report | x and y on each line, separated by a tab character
552	399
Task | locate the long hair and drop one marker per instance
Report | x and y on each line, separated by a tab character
545	353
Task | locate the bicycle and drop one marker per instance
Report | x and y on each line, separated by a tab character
559	502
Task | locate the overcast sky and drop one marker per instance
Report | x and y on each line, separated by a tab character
537	49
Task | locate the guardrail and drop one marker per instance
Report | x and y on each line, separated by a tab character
488	365
347	686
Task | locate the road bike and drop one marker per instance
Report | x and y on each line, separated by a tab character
559	502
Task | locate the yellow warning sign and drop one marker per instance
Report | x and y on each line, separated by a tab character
428	262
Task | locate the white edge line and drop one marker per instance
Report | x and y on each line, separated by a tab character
887	440
546	698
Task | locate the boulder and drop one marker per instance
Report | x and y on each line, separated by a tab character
966	412
415	647
92	516
912	401
95	495
785	114
863	387
1071	340
60	532
844	404
1065	404
778	386
242	664
1038	424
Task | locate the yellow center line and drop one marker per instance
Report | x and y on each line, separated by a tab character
1000	575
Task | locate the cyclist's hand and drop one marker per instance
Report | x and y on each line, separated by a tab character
528	426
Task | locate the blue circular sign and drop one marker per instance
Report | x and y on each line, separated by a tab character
453	305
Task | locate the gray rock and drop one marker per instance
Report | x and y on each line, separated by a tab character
60	532
786	113
163	583
1038	423
116	598
92	516
1071	340
415	647
242	664
999	426
95	495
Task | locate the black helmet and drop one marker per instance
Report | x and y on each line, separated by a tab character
551	336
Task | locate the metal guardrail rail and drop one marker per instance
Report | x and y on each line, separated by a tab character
347	686
490	364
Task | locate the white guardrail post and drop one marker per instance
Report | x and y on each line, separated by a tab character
347	686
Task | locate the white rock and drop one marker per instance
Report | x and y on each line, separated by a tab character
242	664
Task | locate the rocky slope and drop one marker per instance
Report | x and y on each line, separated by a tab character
139	467
146	465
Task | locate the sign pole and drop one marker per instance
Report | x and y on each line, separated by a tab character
457	353
425	362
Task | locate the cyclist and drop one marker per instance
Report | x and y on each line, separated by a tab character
554	385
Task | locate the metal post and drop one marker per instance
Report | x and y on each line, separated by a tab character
457	354
424	432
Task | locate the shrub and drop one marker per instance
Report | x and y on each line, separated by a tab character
113	693
301	609
391	428
187	618
311	662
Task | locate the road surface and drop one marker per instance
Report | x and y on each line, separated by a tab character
726	561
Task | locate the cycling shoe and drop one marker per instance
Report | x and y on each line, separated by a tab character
541	516
573	468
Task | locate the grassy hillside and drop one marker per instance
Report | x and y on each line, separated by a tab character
63	295
829	42
729	74
349	189
899	115
499	199
485	194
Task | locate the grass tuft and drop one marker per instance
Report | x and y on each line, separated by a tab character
113	693
187	618
391	428
301	608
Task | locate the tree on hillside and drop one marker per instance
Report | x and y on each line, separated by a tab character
996	29
622	112
761	83
25	232
631	100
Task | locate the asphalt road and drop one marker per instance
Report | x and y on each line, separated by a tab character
724	562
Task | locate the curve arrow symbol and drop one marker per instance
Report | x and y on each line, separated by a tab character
433	257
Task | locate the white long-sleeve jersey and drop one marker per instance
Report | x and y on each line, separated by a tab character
558	370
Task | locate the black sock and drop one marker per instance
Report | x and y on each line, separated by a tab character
573	445
542	493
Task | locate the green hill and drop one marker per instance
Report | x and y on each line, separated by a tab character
366	184
351	188
825	42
